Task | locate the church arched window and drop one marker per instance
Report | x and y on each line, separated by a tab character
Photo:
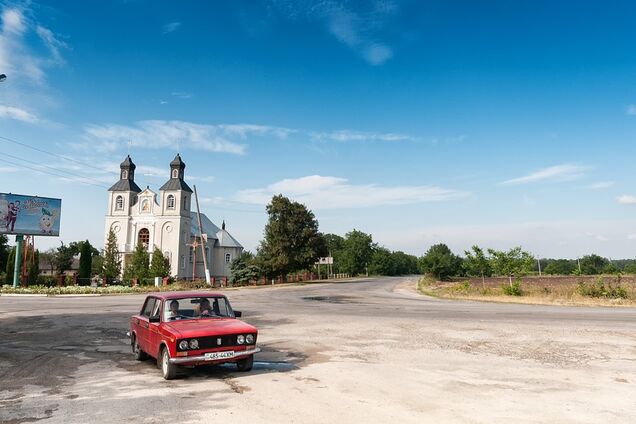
144	237
124	174
170	201
119	203
175	173
145	206
185	202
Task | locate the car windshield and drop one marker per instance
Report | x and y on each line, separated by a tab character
196	308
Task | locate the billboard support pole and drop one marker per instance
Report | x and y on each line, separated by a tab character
18	260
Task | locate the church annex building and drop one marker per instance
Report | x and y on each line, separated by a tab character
135	216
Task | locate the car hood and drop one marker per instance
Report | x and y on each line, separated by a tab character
208	327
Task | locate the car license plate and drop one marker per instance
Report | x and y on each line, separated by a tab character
219	355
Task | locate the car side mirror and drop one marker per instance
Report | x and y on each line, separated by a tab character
238	314
154	319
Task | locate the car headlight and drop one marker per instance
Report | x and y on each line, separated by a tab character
183	345
240	339
249	339
194	344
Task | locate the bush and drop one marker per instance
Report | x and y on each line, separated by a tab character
462	287
598	289
514	289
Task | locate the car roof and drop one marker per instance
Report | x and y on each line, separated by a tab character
184	294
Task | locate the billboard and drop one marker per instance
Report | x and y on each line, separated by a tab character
29	215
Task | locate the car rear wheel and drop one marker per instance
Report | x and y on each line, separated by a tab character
245	364
139	354
168	370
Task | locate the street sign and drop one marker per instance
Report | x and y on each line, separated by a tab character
325	261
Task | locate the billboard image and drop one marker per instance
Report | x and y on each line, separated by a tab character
29	215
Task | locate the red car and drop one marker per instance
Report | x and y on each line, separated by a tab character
189	329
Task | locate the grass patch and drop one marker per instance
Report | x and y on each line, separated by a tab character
602	292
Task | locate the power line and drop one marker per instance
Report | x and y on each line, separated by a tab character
11	140
50	173
56	169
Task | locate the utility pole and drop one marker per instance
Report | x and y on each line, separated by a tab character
539	263
205	260
18	260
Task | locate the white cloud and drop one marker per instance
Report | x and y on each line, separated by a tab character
356	25
378	53
564	239
13	21
52	42
631	110
325	192
10	112
181	95
565	172
208	179
171	27
27	52
22	63
626	199
631	236
8	169
600	185
350	135
157	134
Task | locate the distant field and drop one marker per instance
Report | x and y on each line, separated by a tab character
600	290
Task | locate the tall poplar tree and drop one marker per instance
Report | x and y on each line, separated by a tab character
111	264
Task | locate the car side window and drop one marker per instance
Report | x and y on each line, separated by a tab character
148	307
156	309
220	307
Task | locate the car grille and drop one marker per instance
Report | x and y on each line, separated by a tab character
213	342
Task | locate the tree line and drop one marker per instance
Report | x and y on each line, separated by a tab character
292	243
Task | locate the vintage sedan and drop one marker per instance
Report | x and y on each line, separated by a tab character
189	329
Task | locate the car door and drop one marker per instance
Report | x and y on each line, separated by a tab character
154	337
144	324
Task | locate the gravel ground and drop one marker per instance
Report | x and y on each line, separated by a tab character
368	351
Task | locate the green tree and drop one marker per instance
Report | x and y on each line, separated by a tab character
440	262
292	241
111	264
356	252
159	266
86	259
48	258
4	251
404	264
139	266
477	264
560	267
97	263
382	262
335	244
630	268
513	263
64	258
10	266
33	269
593	264
244	269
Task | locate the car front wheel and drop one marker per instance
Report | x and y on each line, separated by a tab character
139	354
168	370
245	364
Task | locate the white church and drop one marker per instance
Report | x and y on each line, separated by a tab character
136	216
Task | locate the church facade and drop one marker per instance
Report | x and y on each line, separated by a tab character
166	221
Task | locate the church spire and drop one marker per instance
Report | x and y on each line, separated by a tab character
126	177
177	173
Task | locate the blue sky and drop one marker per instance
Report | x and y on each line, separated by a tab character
493	123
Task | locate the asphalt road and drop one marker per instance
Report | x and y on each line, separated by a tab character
366	351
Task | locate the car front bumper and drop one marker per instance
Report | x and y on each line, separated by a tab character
202	358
